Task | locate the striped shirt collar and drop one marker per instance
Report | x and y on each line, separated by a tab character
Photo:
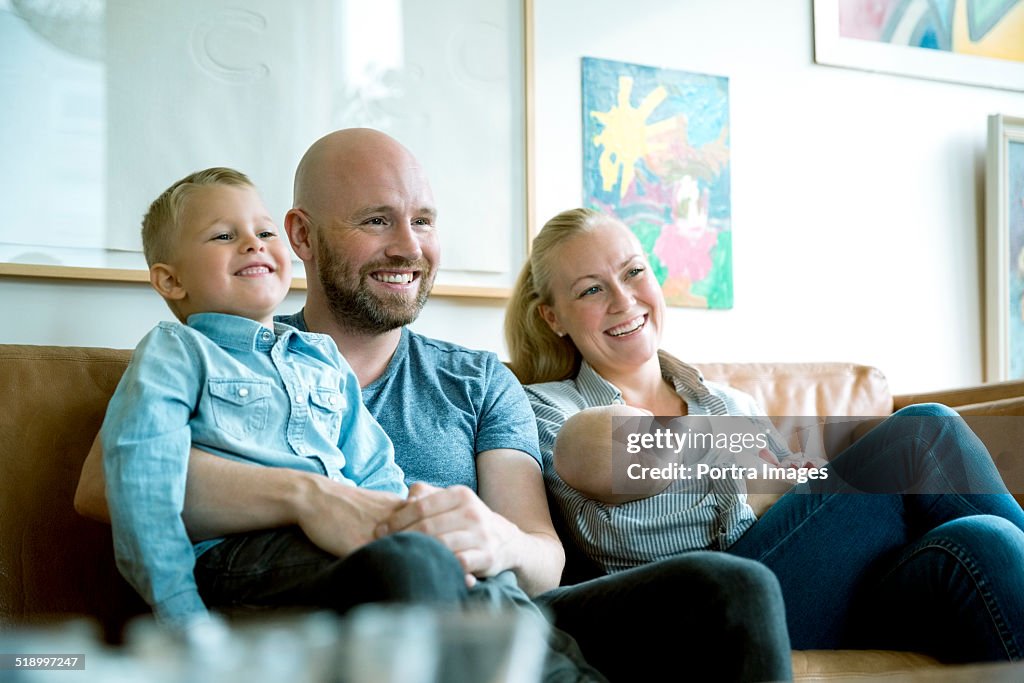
687	380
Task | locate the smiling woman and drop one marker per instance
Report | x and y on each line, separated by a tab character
103	109
584	330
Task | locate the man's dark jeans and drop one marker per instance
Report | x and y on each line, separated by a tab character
700	616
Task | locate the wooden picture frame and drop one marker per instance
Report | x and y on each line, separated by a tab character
474	138
1004	249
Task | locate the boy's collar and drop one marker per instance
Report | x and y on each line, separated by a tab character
233	331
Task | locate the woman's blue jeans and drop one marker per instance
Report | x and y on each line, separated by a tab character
913	542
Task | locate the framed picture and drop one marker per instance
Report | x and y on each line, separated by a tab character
656	154
977	42
1004	249
109	103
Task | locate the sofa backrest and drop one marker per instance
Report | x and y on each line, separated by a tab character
805	389
53	562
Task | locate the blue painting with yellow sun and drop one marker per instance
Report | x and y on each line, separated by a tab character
656	155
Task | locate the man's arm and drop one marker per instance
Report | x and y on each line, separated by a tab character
90	496
512	485
508	526
225	496
268	499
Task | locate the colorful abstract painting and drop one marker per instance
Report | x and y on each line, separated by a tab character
656	155
987	28
978	42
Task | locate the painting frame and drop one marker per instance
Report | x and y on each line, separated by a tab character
1004	249
113	265
832	49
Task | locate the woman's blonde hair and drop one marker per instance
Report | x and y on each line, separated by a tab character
536	353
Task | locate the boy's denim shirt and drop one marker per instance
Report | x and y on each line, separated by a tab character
231	387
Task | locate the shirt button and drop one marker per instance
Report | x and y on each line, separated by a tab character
300	399
243	392
334	400
266	335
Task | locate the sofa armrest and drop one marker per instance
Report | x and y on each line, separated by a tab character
1000	426
964	396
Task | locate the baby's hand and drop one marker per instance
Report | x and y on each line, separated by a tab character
801	461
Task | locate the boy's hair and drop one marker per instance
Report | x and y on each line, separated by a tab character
160	224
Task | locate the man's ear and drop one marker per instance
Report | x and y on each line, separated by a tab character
164	279
300	233
548	314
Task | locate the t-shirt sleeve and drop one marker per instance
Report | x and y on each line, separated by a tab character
548	418
506	419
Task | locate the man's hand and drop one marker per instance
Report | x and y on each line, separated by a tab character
340	518
458	518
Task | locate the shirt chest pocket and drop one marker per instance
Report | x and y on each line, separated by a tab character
326	406
240	406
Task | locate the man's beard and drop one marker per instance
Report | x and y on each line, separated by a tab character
357	307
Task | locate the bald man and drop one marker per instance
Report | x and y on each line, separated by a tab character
365	226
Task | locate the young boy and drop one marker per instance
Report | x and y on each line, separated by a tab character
225	379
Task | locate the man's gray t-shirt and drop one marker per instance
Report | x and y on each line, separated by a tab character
442	404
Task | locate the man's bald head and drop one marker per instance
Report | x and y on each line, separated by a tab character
339	161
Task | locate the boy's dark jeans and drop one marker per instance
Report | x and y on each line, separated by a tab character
283	568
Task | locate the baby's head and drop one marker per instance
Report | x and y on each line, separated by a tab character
211	247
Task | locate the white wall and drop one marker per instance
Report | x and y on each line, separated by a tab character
857	200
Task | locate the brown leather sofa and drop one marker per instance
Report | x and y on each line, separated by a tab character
54	564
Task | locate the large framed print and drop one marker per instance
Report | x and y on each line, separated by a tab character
1004	249
108	103
976	42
